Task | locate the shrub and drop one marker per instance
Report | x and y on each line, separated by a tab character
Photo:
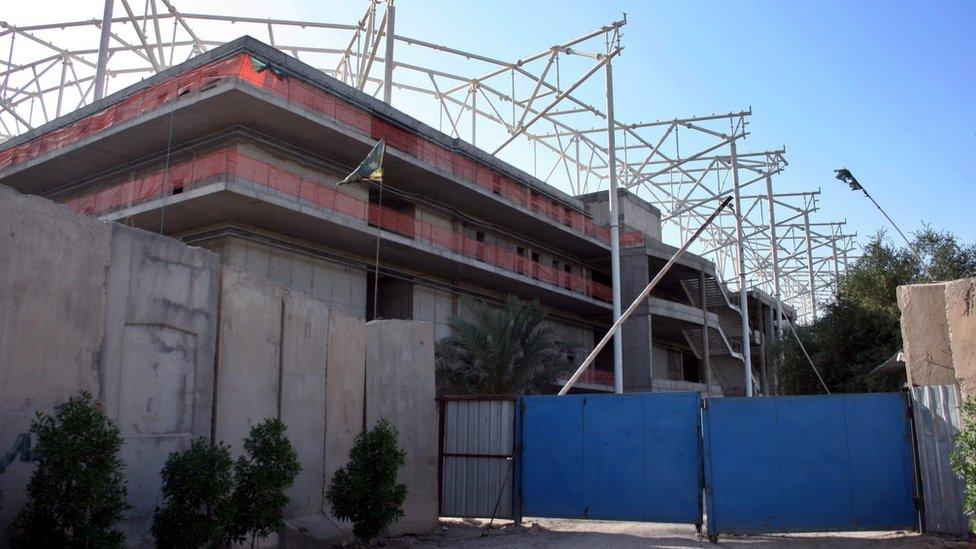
365	491
963	458
197	485
77	494
263	475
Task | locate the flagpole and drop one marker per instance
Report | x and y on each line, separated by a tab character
846	176
910	247
376	267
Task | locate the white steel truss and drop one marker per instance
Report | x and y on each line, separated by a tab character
543	112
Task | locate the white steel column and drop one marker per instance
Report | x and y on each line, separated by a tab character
743	292
774	250
618	342
388	57
810	280
102	64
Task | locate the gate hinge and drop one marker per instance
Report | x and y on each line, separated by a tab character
703	404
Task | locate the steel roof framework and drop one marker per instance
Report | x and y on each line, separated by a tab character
530	111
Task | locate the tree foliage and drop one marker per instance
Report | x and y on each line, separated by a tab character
860	329
263	475
963	458
77	494
499	351
197	484
366	491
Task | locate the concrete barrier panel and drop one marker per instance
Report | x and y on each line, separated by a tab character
345	391
304	346
156	362
960	297
925	334
400	387
52	310
248	356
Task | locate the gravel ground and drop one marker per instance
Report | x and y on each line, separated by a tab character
592	534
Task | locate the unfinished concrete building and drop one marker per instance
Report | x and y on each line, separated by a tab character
239	150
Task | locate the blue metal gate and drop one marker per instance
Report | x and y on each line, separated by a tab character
614	457
810	463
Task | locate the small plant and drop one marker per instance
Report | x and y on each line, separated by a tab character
365	491
963	458
77	494
263	475
197	485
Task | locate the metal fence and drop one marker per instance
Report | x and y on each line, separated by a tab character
936	413
477	456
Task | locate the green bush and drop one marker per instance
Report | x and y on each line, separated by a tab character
263	475
197	485
365	491
77	494
963	458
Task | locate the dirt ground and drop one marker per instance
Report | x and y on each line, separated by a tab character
594	534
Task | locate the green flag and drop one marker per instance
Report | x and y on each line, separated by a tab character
846	176
371	168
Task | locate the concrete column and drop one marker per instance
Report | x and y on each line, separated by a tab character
706	360
637	333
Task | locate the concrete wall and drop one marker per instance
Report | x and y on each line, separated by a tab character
272	363
341	287
172	346
124	314
434	306
637	214
400	387
925	334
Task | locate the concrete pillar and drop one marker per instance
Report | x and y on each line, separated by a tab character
400	387
638	330
706	359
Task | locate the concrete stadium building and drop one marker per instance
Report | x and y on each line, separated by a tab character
239	150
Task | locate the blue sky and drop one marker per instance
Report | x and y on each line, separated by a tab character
884	88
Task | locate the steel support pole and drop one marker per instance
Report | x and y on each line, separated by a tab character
102	65
810	279
388	56
706	361
774	250
833	248
777	291
743	292
618	342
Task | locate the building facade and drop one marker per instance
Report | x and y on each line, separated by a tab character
240	151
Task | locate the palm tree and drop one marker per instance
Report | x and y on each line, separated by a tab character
500	351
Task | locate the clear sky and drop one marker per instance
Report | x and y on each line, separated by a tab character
887	89
884	88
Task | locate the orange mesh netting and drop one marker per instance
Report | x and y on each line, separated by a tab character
233	164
